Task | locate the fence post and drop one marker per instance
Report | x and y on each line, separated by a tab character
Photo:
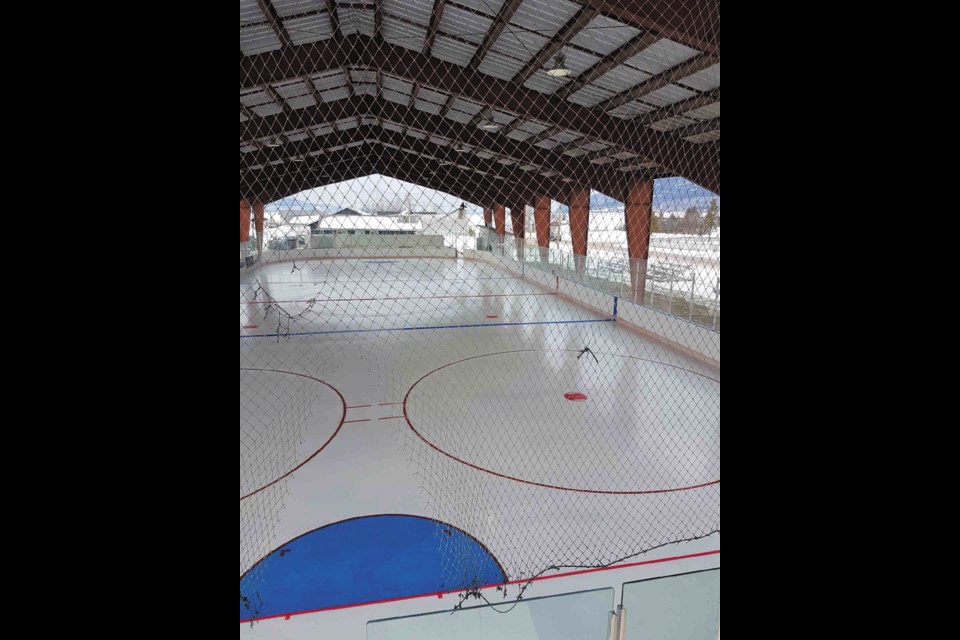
693	293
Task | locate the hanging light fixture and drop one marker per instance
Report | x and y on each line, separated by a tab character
560	69
272	143
487	124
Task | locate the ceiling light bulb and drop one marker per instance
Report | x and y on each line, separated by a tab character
560	67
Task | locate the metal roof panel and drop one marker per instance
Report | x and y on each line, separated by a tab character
545	83
258	39
416	11
708	112
662	55
489	7
250	12
329	80
544	16
301	102
604	35
706	80
520	44
309	28
394	96
667	96
403	34
453	51
591	95
621	78
287	8
465	24
500	66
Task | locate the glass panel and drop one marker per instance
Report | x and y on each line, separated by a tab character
685	607
578	616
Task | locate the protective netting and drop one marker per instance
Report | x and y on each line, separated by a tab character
275	409
504	217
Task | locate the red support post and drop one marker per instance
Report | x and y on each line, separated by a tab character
244	221
500	216
639	231
500	219
542	209
518	213
580	226
258	223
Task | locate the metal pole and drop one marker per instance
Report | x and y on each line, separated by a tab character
716	305
614	628
693	293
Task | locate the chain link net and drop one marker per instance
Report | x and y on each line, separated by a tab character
504	215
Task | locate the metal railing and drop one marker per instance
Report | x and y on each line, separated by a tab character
680	287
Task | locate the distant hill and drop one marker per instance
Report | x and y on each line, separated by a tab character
678	194
670	195
301	207
291	204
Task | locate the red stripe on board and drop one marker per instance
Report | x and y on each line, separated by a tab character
406	414
486	296
390	404
393	418
288	616
356	421
318	451
361	406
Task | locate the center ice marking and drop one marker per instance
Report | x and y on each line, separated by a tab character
575	397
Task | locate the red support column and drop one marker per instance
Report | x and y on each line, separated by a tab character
542	210
258	222
639	229
580	226
518	213
244	221
500	218
500	221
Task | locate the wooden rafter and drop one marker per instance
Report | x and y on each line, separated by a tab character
274	21
679	108
612	61
575	25
438	7
499	24
659	81
334	19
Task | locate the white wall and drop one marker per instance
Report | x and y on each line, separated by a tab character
687	337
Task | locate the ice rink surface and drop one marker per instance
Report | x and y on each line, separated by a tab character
449	389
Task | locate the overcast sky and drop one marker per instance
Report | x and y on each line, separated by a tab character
672	196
